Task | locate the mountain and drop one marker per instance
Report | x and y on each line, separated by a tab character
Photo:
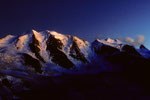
48	51
37	49
35	54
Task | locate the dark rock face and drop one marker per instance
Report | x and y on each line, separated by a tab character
29	60
54	46
103	50
130	50
35	49
143	47
16	41
125	59
135	67
76	53
107	50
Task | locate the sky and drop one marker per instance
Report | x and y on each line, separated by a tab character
87	19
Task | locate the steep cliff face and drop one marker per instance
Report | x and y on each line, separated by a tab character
75	50
54	46
106	47
34	46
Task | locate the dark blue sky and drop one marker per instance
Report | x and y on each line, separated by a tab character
87	19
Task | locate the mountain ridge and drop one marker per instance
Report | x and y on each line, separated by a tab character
48	60
64	51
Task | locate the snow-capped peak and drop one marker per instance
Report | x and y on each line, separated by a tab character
6	39
110	42
22	42
38	35
49	47
57	35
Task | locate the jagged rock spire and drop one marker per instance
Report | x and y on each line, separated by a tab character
143	47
